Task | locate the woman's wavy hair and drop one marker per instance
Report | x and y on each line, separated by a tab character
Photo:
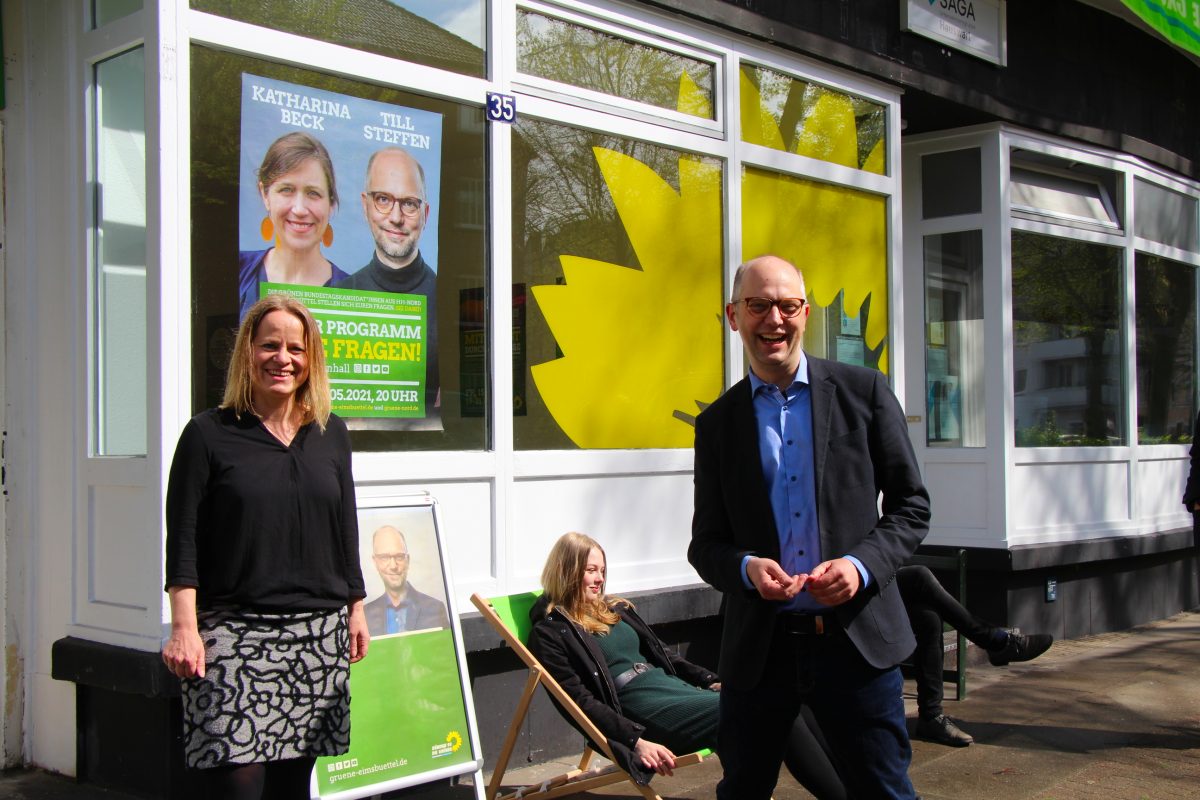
313	395
562	580
290	151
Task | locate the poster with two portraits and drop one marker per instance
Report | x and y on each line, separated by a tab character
364	211
353	233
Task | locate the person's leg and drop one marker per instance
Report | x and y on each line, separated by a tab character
861	712
928	659
918	583
234	782
755	725
809	760
289	779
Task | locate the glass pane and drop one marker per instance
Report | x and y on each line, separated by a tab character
416	382
620	244
951	183
838	239
105	11
796	116
1067	357
591	59
954	352
447	34
1166	349
1166	216
119	280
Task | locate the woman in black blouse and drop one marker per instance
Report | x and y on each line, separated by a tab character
262	566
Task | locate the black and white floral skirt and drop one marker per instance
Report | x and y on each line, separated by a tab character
276	686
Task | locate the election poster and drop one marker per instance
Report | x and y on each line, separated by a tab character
338	206
411	715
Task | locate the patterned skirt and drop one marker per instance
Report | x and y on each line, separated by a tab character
276	686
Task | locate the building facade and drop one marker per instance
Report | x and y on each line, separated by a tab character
995	204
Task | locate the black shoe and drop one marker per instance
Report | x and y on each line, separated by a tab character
941	729
1020	647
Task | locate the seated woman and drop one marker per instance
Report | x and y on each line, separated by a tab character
649	702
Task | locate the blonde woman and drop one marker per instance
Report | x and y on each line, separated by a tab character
648	702
262	566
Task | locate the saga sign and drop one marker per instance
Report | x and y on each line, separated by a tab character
972	26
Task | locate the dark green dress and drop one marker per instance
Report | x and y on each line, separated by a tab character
676	714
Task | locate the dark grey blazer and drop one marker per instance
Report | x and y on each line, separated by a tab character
861	449
425	612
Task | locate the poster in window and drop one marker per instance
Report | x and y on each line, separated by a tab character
338	206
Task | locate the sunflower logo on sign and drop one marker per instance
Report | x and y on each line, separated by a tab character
455	740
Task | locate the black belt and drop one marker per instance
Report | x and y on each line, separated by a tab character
802	624
625	677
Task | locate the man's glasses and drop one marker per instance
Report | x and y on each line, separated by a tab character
395	558
761	306
383	202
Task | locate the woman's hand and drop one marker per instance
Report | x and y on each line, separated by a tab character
654	756
184	651
714	687
360	639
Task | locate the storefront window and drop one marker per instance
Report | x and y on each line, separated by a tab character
105	11
1067	355
808	119
954	352
951	183
447	34
119	283
1166	217
837	236
619	245
590	59
1166	349
387	241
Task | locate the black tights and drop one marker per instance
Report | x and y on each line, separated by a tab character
810	760
272	780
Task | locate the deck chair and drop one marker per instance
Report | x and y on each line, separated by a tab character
510	617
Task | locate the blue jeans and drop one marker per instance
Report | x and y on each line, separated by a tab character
860	710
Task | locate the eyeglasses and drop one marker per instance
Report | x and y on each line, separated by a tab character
383	202
395	558
761	306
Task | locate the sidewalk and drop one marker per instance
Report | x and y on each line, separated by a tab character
1111	717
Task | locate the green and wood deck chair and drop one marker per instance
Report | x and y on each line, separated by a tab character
510	617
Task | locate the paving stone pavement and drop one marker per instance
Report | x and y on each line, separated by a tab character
1109	717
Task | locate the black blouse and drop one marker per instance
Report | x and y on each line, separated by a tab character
256	525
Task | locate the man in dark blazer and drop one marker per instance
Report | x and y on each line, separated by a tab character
790	465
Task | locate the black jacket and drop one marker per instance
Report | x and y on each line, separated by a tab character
860	450
574	659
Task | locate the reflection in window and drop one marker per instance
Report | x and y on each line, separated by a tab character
119	338
838	238
218	178
446	34
591	59
1166	349
621	244
954	352
1067	302
796	116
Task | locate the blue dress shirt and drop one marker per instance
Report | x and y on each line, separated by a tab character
785	447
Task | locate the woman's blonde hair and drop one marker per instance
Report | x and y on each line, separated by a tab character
562	580
313	395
